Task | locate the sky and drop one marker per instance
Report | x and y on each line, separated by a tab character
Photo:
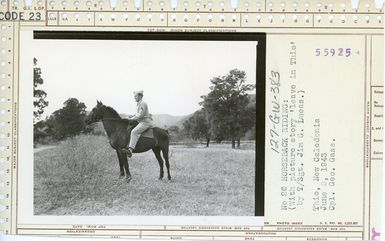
172	74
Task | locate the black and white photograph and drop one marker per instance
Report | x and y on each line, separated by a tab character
131	127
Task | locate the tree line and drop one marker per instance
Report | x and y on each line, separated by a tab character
227	113
65	122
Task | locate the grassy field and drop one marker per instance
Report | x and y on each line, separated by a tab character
81	177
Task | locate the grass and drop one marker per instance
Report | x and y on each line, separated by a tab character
81	177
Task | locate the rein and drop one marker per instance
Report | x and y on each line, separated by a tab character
117	119
113	119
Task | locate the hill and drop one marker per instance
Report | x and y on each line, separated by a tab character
165	120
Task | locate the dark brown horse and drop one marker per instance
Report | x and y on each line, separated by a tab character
119	130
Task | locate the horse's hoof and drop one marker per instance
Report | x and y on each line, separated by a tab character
169	178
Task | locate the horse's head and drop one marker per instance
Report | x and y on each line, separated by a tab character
96	113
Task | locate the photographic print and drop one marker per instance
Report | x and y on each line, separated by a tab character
144	127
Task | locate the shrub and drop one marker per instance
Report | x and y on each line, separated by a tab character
72	171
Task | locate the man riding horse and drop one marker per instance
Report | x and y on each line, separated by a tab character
144	119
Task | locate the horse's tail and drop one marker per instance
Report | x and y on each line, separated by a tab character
167	136
165	151
162	134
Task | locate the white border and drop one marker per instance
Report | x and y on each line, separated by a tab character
25	169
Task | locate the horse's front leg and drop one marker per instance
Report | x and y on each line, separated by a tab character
120	158
126	167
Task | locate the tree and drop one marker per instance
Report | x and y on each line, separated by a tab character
39	95
197	126
251	110
69	120
227	106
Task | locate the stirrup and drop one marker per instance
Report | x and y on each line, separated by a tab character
128	151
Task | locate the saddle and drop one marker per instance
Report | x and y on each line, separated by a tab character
149	133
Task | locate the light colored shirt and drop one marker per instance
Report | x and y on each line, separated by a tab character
142	113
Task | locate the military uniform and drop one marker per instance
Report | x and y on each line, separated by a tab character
145	121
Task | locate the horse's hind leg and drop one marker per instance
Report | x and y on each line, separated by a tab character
120	158
125	165
165	156
156	151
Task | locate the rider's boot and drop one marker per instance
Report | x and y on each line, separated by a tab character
128	151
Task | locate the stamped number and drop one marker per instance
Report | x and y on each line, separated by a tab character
34	16
340	52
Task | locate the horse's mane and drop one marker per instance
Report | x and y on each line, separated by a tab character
114	114
112	111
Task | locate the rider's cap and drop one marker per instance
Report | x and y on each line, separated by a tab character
138	92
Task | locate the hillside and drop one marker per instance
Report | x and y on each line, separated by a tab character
165	120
